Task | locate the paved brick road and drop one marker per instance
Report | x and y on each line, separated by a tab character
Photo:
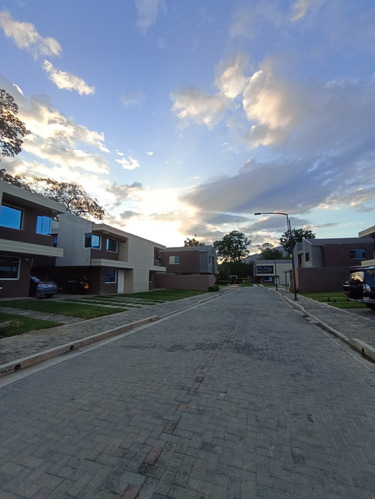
238	398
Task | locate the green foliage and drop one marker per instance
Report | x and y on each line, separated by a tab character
11	324
336	299
240	269
290	238
233	247
61	307
193	242
12	129
269	253
214	288
73	196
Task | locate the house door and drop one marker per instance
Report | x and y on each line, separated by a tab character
120	281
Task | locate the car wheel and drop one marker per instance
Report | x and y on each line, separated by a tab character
370	306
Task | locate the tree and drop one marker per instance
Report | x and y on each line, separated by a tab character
12	129
73	196
269	253
16	181
290	238
193	242
233	247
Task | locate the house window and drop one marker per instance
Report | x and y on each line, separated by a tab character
307	256
111	245
54	240
9	268
357	253
264	269
174	259
110	276
43	225
10	217
92	241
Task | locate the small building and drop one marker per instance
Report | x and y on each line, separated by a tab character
270	272
112	260
192	268
322	264
26	242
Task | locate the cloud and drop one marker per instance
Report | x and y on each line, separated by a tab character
58	139
128	163
147	11
123	191
133	98
26	37
67	81
248	22
194	105
231	79
300	8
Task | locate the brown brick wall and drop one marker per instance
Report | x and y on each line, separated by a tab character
321	279
185	282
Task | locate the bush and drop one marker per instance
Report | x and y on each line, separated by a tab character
214	288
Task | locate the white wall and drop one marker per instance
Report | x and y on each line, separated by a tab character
71	234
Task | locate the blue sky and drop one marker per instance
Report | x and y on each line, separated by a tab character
184	118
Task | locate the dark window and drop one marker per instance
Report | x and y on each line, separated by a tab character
110	276
54	240
307	257
264	269
10	217
43	225
92	241
9	268
357	253
111	245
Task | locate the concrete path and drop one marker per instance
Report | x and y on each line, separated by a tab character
239	397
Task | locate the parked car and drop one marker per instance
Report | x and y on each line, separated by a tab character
42	288
360	286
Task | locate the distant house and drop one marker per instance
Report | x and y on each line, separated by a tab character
193	268
26	242
272	271
323	264
368	233
112	260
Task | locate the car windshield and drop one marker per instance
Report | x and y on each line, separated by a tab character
370	277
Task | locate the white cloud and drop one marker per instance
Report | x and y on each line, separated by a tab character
133	98
67	81
195	105
231	79
148	11
26	37
300	8
128	163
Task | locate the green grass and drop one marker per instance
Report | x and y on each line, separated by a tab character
21	324
83	311
336	299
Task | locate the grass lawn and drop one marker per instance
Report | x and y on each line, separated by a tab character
11	324
83	311
163	295
336	299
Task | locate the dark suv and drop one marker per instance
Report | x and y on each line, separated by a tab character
360	286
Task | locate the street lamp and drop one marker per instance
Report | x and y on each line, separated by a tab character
290	241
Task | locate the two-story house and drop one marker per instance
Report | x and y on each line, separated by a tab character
193	268
273	271
25	237
322	264
112	260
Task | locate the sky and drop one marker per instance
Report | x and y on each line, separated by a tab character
184	118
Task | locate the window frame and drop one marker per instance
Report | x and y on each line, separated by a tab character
15	209
91	236
14	259
174	260
41	220
107	240
110	269
355	251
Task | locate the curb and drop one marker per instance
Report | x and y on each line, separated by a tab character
357	345
18	364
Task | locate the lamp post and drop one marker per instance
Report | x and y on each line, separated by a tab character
290	241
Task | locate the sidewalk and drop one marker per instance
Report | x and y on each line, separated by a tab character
356	329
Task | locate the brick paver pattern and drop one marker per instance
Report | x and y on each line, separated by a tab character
237	398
